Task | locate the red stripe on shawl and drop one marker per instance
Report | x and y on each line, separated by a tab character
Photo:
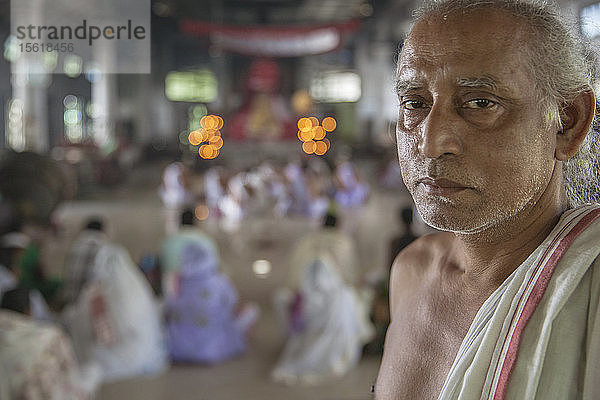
529	282
534	300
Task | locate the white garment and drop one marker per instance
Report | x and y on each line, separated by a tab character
335	328
80	261
174	195
538	335
133	342
332	243
212	188
173	191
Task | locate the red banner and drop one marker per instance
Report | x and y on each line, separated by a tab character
295	41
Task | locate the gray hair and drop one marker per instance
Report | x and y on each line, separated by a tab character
563	65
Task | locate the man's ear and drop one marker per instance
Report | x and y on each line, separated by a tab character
576	119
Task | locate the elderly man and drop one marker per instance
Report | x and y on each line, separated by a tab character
495	96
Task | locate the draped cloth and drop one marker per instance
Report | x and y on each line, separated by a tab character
173	250
37	362
80	261
201	324
334	327
538	335
330	242
115	321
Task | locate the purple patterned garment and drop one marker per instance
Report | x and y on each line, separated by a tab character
201	325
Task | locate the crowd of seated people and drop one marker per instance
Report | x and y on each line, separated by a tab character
301	188
110	325
104	321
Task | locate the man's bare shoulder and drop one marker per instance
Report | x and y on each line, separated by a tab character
421	260
420	255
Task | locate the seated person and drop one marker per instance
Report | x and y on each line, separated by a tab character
12	248
115	319
173	249
36	359
202	325
329	239
21	254
328	327
81	256
175	193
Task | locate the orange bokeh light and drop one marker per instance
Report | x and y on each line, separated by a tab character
319	132
204	121
329	124
220	122
314	121
304	124
306	136
202	212
320	148
215	153
309	147
216	142
211	122
206	151
210	133
195	138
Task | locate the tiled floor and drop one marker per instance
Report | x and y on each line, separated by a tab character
136	219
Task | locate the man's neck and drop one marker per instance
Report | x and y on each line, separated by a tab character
489	257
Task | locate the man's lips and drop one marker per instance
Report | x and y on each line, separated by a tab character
441	186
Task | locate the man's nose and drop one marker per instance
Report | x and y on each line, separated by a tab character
438	135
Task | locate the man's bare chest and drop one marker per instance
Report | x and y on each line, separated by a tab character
422	342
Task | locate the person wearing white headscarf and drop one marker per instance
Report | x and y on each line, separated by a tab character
115	321
328	329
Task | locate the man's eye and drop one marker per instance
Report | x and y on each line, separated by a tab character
479	104
412	104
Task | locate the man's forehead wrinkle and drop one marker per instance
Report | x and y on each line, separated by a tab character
409	74
478	82
423	60
417	49
406	84
409	77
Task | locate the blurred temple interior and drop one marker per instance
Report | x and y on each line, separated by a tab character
272	123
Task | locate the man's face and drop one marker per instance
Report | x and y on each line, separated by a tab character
473	147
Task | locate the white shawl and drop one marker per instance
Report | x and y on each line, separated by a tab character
538	335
